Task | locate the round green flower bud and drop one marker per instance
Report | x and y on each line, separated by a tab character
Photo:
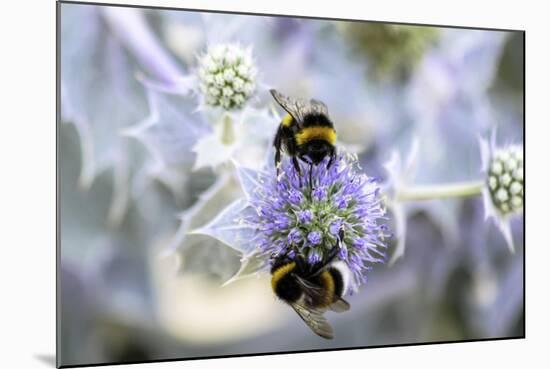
227	76
505	180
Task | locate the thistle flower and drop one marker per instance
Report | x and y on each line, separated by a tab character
227	76
291	215
504	184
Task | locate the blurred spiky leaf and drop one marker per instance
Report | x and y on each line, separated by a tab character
250	266
228	228
100	96
170	130
200	253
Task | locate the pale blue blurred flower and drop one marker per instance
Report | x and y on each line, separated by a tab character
100	96
170	130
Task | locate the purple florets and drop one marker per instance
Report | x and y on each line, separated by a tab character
314	238
293	216
295	236
319	193
335	227
305	216
314	257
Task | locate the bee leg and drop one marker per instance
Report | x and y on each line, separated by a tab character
332	156
341	234
277	142
291	148
334	250
296	165
301	264
318	267
332	254
277	161
310	177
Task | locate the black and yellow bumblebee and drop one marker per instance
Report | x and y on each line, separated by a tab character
311	290
305	132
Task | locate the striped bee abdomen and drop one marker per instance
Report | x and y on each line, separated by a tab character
338	281
284	285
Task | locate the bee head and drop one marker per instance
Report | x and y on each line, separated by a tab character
317	150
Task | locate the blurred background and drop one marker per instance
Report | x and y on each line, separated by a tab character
135	286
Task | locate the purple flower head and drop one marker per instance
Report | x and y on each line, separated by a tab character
320	193
314	237
343	253
291	254
263	243
359	243
335	227
294	236
361	212
342	202
313	257
294	197
281	222
278	203
303	217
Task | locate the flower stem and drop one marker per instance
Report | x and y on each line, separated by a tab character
430	192
228	131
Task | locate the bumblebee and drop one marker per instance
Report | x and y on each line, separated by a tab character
305	132
312	289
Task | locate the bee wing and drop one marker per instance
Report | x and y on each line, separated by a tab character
313	291
314	319
318	107
340	305
298	108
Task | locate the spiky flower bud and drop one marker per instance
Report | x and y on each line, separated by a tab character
505	179
227	76
504	184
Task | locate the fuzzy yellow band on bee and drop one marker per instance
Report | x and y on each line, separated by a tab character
328	283
280	273
287	120
316	133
